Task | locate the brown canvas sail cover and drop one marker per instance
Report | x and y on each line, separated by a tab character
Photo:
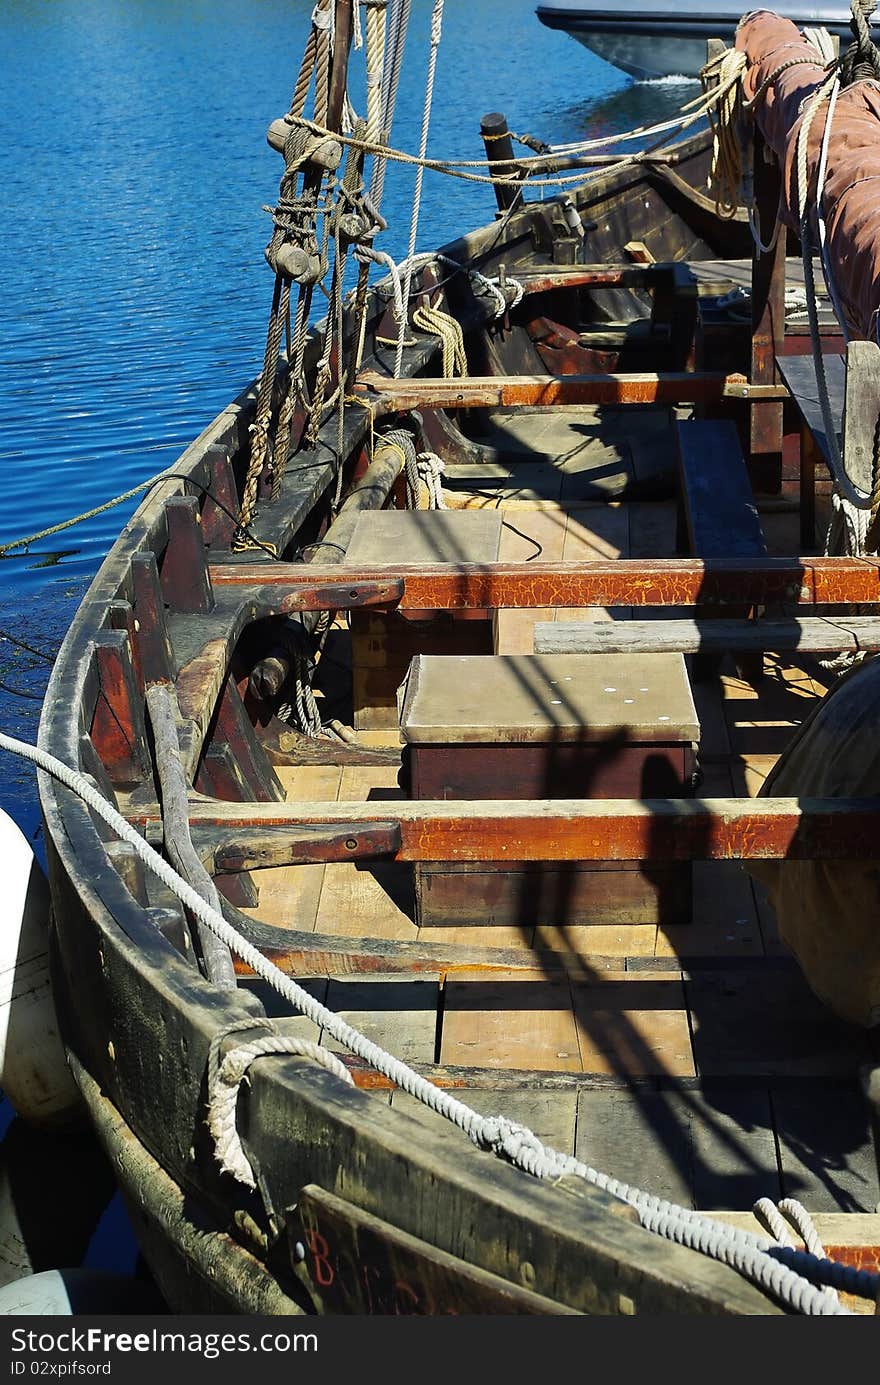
851	198
829	911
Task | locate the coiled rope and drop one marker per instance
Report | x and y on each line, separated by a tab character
797	1279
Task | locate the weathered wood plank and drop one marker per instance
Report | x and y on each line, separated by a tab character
388	394
703	1148
861	406
582	830
719	508
399	1015
826	1150
642	582
816	635
510	1023
767	1025
634	1024
358	1263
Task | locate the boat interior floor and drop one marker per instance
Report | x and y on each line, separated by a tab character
566	456
689	1059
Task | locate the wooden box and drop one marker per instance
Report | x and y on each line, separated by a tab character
382	645
550	726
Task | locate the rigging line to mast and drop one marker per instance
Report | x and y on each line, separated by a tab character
436	35
398	22
790	1276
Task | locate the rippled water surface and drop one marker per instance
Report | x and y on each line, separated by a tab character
134	168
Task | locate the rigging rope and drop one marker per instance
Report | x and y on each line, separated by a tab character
436	35
797	1279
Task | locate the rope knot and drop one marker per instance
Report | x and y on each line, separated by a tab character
507	1137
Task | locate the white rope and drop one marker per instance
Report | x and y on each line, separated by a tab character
423	472
225	1081
368	253
436	33
778	1270
395	39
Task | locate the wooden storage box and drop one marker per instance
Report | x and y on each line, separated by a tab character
382	645
550	726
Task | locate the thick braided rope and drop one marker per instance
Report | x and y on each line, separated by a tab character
448	329
260	428
861	61
223	1088
430	469
436	34
375	58
745	1251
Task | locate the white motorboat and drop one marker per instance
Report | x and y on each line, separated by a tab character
649	40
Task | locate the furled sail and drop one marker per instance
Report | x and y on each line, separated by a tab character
783	79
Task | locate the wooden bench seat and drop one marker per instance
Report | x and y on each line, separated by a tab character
814	635
718	507
718	517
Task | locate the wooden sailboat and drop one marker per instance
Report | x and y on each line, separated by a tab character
481	780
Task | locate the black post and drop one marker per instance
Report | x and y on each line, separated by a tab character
499	151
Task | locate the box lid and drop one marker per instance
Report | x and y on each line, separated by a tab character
390	537
519	698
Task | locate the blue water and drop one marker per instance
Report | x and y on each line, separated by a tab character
134	167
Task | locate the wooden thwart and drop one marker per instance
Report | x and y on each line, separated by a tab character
814	635
640	582
389	393
571	829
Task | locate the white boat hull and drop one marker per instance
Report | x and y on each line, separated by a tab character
651	41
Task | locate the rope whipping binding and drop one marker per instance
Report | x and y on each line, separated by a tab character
797	1279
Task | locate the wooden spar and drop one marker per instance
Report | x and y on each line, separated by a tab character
218	960
560	829
391	395
768	329
480	586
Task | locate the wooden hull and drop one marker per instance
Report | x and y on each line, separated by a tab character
356	1210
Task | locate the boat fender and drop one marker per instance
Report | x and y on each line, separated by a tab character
68	1293
34	1073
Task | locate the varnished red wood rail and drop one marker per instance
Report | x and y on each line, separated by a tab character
625	582
554	391
576	829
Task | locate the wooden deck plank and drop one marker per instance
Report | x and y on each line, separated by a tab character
767	1025
400	1016
630	1024
692	1147
640	1137
583	943
509	1024
826	1150
514	630
734	1148
372	901
724	916
550	1115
